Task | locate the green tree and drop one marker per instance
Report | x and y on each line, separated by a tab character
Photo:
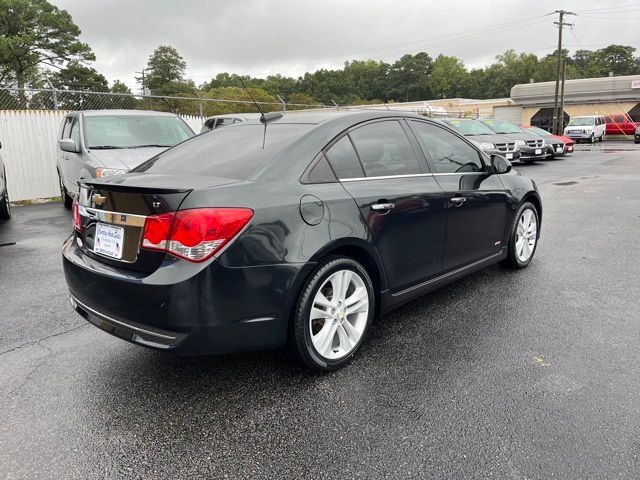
327	86
408	78
78	77
448	77
618	59
127	102
280	85
302	99
165	72
369	77
34	33
237	93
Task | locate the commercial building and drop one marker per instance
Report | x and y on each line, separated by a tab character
532	103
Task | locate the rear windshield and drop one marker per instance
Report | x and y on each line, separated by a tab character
470	127
133	131
502	127
231	152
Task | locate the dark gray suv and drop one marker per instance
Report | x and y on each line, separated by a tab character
532	147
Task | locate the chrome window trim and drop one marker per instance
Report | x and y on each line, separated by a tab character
386	177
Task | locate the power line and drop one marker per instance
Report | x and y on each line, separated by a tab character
618	7
610	18
512	24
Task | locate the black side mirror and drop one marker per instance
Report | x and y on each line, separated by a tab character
499	164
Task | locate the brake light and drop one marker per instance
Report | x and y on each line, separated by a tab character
75	209
195	234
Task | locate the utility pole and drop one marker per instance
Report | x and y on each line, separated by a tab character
556	113
561	110
144	91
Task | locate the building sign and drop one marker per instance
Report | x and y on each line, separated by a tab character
635	83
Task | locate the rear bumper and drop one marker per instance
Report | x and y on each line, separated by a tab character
183	307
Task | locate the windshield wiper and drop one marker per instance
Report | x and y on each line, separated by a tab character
151	145
104	147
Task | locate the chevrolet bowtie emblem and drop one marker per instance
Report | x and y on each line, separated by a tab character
98	199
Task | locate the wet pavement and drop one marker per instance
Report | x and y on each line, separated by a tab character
527	374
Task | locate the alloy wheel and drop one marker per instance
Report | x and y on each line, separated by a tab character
526	235
339	314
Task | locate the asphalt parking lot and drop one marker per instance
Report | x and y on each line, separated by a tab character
527	374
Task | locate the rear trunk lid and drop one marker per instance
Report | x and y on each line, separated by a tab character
113	212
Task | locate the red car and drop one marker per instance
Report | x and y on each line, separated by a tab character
568	143
620	124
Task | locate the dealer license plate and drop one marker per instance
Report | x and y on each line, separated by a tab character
538	151
108	240
509	156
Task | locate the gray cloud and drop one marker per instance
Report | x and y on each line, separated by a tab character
261	37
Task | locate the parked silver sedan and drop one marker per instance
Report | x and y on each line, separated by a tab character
101	143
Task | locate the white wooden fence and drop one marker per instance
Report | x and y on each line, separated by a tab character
29	150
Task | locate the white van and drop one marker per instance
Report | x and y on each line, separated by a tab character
590	128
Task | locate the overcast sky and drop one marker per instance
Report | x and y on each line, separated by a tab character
262	37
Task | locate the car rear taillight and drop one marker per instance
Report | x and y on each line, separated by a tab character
75	209
195	234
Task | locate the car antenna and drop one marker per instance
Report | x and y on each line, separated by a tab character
264	117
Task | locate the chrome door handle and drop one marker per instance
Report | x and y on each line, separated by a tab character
458	201
382	206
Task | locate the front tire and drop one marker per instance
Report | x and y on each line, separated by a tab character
66	198
524	237
5	207
592	139
332	316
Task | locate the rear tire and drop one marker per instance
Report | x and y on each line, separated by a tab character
67	201
328	327
523	240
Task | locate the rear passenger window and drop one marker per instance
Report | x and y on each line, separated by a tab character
445	152
619	119
343	159
384	149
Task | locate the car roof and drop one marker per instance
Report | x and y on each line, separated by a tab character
317	117
145	113
235	115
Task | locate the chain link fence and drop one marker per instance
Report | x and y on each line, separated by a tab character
72	100
50	99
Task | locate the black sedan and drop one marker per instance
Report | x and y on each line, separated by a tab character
297	230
